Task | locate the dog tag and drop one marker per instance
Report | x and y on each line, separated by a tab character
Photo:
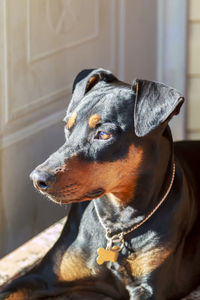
107	255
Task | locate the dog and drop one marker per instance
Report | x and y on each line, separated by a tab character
134	226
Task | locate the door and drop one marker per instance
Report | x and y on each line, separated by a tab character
43	45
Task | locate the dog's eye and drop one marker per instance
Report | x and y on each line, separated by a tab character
102	135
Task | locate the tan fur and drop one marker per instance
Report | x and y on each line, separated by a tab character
72	120
94	120
110	176
140	264
72	267
20	295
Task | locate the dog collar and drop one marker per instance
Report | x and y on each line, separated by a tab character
110	253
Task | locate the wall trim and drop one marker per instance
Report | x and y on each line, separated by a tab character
38	103
4	104
172	52
31	129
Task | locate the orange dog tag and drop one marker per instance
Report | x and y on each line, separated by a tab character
107	255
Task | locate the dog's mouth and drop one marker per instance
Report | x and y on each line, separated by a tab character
65	198
95	193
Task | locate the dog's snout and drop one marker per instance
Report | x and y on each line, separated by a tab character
42	180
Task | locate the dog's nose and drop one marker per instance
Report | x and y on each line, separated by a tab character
42	180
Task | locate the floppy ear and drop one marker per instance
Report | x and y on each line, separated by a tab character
83	74
155	103
87	79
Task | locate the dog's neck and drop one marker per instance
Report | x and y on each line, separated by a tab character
152	185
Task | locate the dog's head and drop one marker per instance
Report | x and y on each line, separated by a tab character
108	124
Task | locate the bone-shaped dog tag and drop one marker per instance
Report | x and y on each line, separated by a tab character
107	255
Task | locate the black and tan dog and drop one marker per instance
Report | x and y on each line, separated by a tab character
139	236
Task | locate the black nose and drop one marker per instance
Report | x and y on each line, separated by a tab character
42	180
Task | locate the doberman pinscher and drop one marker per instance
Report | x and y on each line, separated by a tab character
139	236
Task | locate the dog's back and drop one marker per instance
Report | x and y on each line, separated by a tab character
188	154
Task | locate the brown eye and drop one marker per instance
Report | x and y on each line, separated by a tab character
101	135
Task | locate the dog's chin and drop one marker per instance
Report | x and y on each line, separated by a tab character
61	199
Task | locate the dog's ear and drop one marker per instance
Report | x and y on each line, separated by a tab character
87	79
155	103
81	75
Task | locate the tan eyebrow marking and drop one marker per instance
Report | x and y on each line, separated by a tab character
94	120
71	120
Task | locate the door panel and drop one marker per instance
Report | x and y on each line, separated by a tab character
44	44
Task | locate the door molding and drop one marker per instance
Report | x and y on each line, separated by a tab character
172	52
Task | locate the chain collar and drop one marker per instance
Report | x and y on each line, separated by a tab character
119	238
